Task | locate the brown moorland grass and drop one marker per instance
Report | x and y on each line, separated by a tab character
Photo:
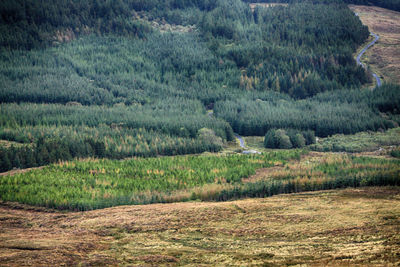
384	56
326	228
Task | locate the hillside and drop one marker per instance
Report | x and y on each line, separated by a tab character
335	228
388	4
97	79
385	55
199	133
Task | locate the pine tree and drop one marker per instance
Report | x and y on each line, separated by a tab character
5	163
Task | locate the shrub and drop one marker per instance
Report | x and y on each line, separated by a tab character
289	138
283	139
298	141
269	140
209	136
309	137
395	153
277	139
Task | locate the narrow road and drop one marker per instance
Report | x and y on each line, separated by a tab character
242	145
241	141
378	80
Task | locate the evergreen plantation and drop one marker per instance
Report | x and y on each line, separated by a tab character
96	79
341	111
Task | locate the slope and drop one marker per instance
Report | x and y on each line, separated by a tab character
342	227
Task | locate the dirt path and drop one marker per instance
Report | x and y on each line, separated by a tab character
241	141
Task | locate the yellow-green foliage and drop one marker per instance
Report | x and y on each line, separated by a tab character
320	172
91	184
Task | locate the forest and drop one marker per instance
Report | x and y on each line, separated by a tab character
345	112
100	79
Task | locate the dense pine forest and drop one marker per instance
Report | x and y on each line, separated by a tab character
128	78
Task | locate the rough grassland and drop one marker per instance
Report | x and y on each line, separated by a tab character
384	56
341	227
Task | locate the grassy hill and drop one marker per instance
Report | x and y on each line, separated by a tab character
342	227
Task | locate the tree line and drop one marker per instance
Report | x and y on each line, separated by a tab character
171	127
329	113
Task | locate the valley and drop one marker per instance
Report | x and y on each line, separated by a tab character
199	133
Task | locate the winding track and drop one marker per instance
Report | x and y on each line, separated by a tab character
241	141
378	80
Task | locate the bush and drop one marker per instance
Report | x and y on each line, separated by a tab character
282	139
277	139
269	140
298	141
296	138
309	137
395	153
289	138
